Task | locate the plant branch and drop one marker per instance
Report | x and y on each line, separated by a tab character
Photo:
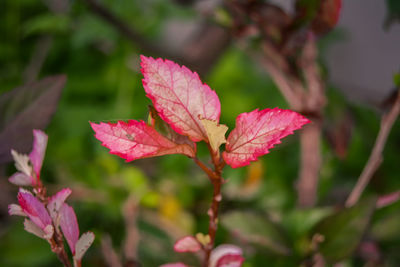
216	200
110	256
376	157
274	64
310	162
310	137
128	31
57	246
210	173
307	98
38	58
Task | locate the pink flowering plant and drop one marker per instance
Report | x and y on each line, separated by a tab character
47	217
186	111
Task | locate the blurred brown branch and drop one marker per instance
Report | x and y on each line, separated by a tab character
38	58
130	213
110	256
305	97
200	54
376	157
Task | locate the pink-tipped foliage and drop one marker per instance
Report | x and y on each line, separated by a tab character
258	131
69	226
39	148
175	264
34	209
83	244
226	255
21	179
179	96
187	244
136	139
56	202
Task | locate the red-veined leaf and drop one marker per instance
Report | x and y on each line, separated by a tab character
180	97
135	139
258	131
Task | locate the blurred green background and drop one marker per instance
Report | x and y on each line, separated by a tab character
171	193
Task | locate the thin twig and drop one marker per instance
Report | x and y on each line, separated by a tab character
376	156
130	212
275	66
38	58
210	173
388	199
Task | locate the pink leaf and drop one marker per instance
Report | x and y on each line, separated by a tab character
136	139
187	244
14	209
20	179
180	97
38	150
230	260
32	228
175	264
35	209
258	131
226	256
56	202
69	226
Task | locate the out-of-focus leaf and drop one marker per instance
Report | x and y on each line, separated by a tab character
187	244
327	16
299	222
387	228
25	108
257	230
47	23
135	181
393	12
396	78
343	230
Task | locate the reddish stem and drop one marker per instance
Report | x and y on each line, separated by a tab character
56	242
216	179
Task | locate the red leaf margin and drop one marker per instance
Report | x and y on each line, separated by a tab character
258	131
192	99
